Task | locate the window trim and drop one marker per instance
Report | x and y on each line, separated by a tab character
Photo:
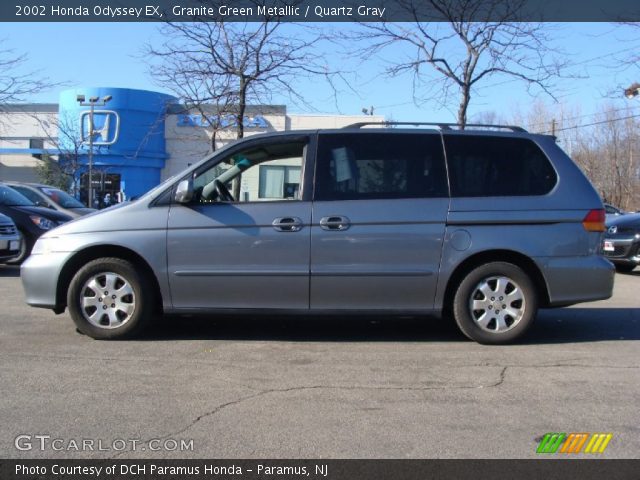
307	166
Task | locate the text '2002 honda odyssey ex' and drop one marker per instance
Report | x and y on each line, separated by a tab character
486	225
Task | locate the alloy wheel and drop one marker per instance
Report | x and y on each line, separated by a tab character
497	304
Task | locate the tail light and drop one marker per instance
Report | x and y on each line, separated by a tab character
594	221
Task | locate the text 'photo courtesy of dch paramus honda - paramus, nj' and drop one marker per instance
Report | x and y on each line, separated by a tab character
484	225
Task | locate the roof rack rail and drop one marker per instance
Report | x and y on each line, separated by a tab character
442	126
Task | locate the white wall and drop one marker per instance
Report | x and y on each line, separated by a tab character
16	129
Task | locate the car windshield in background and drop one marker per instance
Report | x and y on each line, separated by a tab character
61	198
11	198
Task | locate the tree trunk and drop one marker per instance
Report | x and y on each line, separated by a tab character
214	135
464	104
242	106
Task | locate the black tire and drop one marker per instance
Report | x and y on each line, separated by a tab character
26	245
626	268
121	274
469	321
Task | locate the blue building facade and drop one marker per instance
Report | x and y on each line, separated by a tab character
129	149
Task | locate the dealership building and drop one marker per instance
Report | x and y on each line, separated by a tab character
139	137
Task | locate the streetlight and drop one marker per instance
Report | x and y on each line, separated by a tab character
92	103
632	91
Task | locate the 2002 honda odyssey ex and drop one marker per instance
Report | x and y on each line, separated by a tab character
487	225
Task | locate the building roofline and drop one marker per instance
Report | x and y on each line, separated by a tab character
173	108
180	109
29	107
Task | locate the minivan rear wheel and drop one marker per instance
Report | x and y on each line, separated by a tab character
495	303
109	298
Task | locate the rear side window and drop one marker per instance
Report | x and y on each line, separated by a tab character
34	197
497	166
380	165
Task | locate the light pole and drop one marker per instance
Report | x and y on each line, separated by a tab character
92	103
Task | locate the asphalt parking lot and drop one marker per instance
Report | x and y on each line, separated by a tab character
319	388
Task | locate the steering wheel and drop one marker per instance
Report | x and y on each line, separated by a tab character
223	192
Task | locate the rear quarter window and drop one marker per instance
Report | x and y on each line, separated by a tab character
493	166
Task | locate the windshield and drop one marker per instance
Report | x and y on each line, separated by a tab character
61	198
10	198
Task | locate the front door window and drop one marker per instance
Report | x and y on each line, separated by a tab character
259	174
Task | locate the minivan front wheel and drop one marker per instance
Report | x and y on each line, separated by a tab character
109	299
495	303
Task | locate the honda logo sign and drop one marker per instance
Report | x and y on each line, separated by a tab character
106	127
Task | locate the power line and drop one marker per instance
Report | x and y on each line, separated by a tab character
394	105
606	55
592	124
563	120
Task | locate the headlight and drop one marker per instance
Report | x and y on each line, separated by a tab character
43	223
45	245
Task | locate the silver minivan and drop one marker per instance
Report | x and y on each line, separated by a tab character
485	225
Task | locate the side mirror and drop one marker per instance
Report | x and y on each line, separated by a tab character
184	191
42	203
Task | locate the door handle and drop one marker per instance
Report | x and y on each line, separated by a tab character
336	222
287	224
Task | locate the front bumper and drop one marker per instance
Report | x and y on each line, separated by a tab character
9	247
577	279
40	274
626	251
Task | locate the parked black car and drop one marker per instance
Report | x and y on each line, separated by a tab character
31	221
622	241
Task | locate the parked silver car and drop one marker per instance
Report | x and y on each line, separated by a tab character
484	225
51	197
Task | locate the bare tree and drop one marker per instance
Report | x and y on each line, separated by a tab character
209	95
605	145
616	142
216	65
14	85
221	67
474	41
63	133
624	64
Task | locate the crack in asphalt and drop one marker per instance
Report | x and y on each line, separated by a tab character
214	411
